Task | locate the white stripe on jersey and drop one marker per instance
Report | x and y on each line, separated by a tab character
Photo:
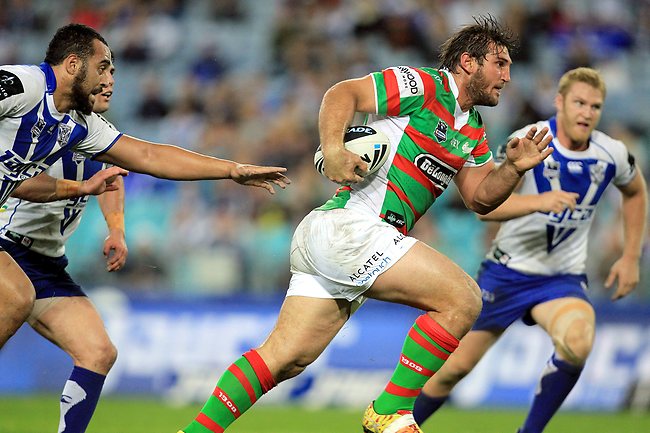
409	81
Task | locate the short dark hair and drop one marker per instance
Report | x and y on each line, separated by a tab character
476	40
72	39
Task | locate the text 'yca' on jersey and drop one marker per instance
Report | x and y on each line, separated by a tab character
431	140
550	243
33	134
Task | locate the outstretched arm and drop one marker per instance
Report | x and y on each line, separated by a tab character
484	188
635	215
518	205
45	188
171	162
112	206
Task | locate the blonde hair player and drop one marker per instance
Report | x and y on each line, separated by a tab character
535	270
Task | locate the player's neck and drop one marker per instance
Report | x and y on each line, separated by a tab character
62	103
62	95
567	143
463	98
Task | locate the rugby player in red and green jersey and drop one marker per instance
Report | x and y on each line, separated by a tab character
356	245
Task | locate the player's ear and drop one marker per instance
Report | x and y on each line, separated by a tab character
72	64
467	63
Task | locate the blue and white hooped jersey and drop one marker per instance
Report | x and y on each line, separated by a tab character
33	134
550	243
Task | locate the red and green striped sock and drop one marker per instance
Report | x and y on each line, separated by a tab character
426	348
245	381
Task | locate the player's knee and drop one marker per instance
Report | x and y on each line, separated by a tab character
284	362
578	341
295	365
99	356
574	341
467	304
18	299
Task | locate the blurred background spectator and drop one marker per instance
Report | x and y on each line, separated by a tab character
244	80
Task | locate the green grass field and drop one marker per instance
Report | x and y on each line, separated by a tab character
39	414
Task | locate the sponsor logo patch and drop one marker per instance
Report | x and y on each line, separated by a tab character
10	85
437	171
409	82
78	158
375	264
574	167
597	173
395	219
441	131
37	129
551	169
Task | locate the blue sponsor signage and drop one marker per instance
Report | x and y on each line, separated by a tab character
177	348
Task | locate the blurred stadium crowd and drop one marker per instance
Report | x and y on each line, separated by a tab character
244	80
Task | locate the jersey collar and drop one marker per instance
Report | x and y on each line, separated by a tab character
50	78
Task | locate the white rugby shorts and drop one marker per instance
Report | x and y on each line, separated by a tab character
340	253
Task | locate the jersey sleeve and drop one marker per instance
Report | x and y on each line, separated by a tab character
101	136
21	88
401	90
480	155
625	164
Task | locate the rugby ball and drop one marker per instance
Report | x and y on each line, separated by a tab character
370	144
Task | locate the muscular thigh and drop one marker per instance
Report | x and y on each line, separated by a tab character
72	323
13	280
425	279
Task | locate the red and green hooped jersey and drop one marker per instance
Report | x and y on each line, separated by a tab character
431	139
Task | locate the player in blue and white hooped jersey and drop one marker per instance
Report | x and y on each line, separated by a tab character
535	270
46	111
34	234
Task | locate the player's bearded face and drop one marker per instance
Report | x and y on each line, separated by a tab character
82	98
579	112
479	90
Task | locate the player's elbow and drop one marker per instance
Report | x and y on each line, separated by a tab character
480	208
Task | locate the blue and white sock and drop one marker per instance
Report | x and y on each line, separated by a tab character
79	399
558	379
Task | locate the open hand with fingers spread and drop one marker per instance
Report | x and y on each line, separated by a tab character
525	153
262	177
102	181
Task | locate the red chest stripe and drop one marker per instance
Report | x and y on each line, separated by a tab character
402	196
434	148
409	168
